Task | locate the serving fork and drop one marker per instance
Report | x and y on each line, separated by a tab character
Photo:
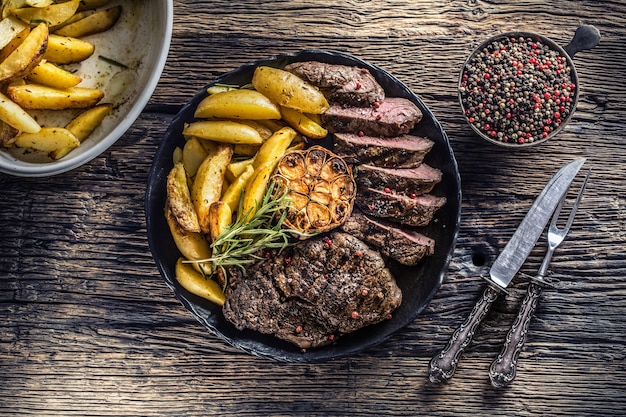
503	368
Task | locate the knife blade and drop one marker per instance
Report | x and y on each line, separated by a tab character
505	267
503	369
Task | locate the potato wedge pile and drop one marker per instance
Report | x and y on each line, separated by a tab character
222	171
38	39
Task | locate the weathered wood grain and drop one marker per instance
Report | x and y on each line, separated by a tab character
88	327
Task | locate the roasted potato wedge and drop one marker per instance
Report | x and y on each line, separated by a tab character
91	4
17	40
198	284
207	185
224	131
246	150
40	97
77	16
237	104
232	195
67	50
85	123
48	74
179	198
97	22
13	115
9	5
39	3
48	139
220	217
219	88
193	155
289	90
10	27
236	168
271	124
53	14
7	134
256	188
275	147
263	130
303	124
26	56
192	246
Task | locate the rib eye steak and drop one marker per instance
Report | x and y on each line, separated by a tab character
406	151
406	246
346	85
410	181
415	210
394	116
313	292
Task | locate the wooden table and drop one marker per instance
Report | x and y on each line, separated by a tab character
88	327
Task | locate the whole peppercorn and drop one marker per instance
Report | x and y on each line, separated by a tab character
517	90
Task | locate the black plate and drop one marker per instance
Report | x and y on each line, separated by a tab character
419	284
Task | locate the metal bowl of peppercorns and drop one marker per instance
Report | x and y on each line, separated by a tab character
520	89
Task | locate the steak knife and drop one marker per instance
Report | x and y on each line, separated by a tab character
506	265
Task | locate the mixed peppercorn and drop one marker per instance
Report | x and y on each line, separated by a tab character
517	90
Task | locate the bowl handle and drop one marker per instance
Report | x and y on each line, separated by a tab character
585	37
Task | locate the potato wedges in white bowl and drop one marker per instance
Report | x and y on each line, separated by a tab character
73	78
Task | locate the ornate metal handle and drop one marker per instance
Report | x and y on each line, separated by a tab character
502	369
443	365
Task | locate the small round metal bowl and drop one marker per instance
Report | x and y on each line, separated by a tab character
128	86
492	81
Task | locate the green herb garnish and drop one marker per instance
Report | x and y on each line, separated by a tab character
112	61
243	242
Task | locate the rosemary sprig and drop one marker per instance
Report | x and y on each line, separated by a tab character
241	243
247	86
112	62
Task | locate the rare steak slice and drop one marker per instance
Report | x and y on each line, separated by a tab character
419	180
394	116
346	85
405	246
415	210
406	151
313	292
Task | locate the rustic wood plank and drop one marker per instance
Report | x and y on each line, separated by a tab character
88	327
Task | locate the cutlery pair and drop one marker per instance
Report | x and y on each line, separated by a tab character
549	204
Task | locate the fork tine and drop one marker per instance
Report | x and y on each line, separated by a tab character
572	213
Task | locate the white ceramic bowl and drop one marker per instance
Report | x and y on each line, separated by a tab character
140	40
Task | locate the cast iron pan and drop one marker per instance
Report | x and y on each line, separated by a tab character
419	284
585	37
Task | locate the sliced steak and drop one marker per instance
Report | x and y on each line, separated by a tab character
407	247
346	85
406	151
410	210
419	180
313	292
394	116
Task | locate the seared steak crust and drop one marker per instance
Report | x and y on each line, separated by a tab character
346	85
410	210
406	151
313	292
407	247
394	116
416	181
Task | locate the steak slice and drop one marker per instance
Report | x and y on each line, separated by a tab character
346	85
419	180
407	247
410	210
313	292
394	116
406	151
